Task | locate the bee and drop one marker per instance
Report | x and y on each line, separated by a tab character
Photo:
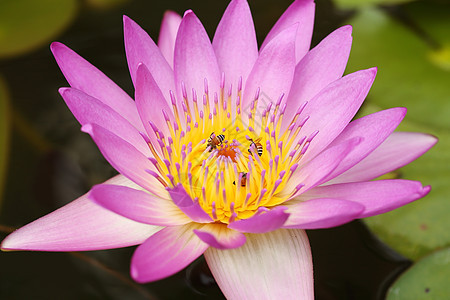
258	146
243	179
215	140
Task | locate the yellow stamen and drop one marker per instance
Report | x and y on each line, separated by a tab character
228	176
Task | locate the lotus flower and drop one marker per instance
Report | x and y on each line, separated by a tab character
229	151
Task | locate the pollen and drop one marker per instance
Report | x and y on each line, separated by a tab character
228	152
233	164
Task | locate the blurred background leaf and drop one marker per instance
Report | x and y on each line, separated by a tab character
422	226
4	135
426	279
406	77
27	24
105	4
405	42
434	18
346	4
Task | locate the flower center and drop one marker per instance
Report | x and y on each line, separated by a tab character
228	151
233	170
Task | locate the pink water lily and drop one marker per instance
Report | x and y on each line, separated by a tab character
229	151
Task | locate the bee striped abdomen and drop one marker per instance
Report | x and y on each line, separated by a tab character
215	140
258	146
243	179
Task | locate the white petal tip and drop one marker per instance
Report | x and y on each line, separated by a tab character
87	128
188	12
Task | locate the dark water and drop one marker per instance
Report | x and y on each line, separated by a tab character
51	163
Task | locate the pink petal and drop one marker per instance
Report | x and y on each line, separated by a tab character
87	109
126	159
398	150
140	48
321	213
332	109
320	167
377	196
80	226
151	105
167	35
220	237
235	43
262	222
301	12
195	61
274	265
165	253
190	207
320	66
273	71
85	77
374	129
138	205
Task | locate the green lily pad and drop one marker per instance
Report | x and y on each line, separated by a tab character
28	24
433	18
408	77
4	134
441	57
427	279
348	4
105	4
422	226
